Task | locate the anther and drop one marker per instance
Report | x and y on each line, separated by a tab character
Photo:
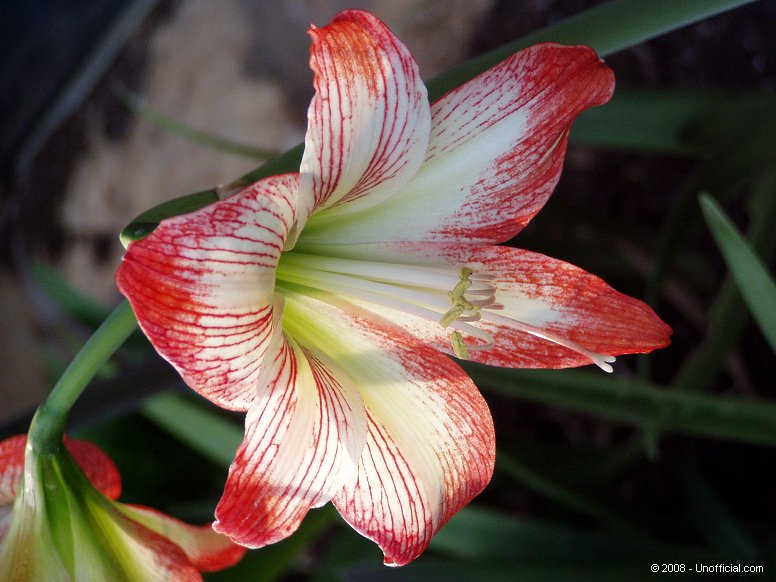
460	348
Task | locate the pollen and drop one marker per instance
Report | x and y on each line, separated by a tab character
464	310
460	349
459	303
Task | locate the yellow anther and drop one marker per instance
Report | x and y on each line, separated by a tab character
452	315
464	282
459	345
459	303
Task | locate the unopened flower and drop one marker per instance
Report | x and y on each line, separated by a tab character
324	302
59	521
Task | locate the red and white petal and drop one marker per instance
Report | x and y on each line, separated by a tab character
304	435
113	545
11	467
551	296
431	445
207	550
563	300
495	154
97	466
368	123
202	287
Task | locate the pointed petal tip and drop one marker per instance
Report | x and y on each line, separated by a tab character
369	119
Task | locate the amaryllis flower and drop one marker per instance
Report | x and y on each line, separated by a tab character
59	521
325	303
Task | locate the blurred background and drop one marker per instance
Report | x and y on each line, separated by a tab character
108	108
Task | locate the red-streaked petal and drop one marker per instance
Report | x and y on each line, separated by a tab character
495	154
125	545
207	550
537	290
11	467
430	447
368	123
567	301
304	435
202	287
97	466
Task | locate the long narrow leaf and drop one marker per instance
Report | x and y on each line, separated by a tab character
138	105
207	432
481	534
562	495
608	28
752	278
637	403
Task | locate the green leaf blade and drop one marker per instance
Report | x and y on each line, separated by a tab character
752	278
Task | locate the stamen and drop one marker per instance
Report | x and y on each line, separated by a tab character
409	301
488	292
460	349
464	310
474	317
452	315
414	275
460	304
599	360
482	302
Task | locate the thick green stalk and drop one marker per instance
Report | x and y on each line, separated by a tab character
49	421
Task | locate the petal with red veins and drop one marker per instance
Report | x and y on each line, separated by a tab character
430	447
202	284
97	466
495	153
126	546
564	300
11	467
546	294
304	435
368	123
206	549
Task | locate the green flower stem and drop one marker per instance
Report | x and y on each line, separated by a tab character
48	424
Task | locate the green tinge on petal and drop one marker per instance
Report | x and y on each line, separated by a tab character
63	529
27	551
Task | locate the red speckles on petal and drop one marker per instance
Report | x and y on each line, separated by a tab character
495	153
